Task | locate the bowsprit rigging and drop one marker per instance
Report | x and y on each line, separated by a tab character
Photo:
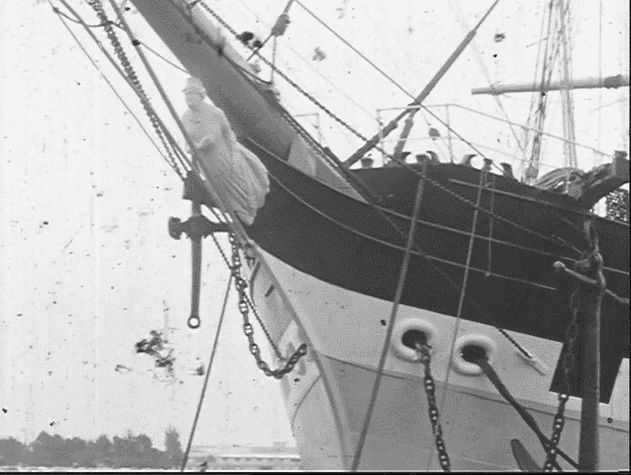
198	225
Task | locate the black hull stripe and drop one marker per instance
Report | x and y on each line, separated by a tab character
413	252
337	239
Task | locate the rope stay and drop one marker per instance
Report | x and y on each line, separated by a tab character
132	79
465	278
61	17
236	243
456	7
531	359
292	83
211	359
168	141
553	240
393	314
160	129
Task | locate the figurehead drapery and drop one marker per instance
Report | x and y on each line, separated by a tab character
236	174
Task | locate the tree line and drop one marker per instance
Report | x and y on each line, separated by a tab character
131	451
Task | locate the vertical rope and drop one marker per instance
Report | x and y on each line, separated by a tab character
489	263
208	368
600	77
393	315
463	288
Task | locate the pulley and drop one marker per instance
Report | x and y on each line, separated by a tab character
196	227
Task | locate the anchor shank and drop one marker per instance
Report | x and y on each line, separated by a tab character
196	265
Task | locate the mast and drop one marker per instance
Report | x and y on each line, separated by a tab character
567	98
610	82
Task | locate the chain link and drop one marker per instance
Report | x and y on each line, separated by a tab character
425	357
97	6
568	366
244	305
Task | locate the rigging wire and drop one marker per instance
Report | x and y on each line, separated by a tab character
211	359
314	69
168	61
361	55
600	74
393	81
465	278
443	142
393	315
102	74
556	240
487	76
161	130
329	112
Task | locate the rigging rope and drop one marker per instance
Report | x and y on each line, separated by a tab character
234	225
279	28
179	68
555	240
465	278
393	315
208	368
131	75
159	127
314	69
497	98
420	252
111	86
359	53
286	78
233	222
600	72
524	414
389	78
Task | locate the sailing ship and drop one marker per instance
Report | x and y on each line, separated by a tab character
431	255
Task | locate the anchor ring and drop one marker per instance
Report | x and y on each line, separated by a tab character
194	322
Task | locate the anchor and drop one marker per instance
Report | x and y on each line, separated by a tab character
196	227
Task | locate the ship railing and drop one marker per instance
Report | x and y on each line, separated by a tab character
314	121
454	147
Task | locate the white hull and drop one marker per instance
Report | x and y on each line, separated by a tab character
327	394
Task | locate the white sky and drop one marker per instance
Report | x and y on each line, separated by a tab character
87	267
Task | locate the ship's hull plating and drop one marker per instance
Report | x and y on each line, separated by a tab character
327	275
327	394
510	283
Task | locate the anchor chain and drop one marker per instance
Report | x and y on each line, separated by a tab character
425	357
568	366
97	6
241	285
